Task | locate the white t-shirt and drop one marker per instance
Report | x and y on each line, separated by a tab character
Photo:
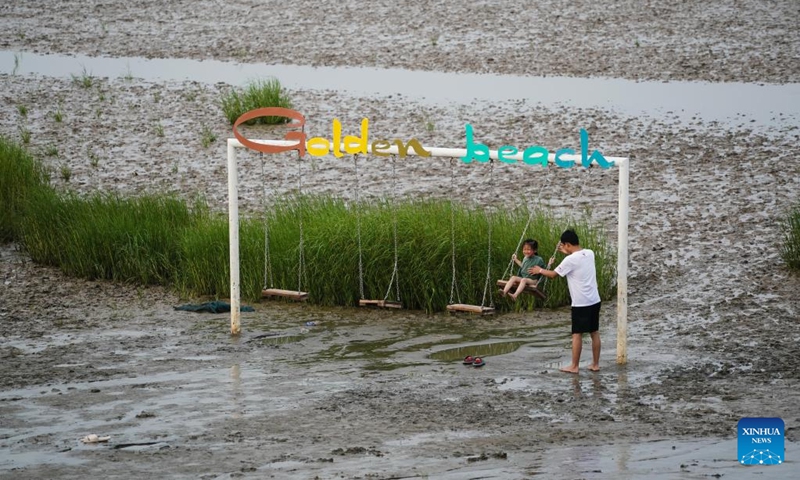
579	269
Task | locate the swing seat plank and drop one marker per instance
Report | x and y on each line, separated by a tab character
532	289
463	307
380	304
288	294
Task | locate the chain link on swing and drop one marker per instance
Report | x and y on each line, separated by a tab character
395	272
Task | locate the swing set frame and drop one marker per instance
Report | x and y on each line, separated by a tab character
622	164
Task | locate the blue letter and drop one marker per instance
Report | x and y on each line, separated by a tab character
506	150
565	163
596	155
534	155
478	151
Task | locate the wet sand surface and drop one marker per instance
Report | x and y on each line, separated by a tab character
365	394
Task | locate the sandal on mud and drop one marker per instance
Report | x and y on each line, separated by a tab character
468	360
478	362
93	438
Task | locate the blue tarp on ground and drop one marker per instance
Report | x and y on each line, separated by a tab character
213	307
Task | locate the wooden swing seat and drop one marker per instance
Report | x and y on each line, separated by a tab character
380	303
462	307
528	289
287	294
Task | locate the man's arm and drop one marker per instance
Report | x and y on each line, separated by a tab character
542	271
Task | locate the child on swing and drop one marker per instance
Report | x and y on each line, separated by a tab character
530	249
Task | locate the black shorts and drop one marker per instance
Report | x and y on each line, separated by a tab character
586	319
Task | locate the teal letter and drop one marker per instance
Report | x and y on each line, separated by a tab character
596	155
477	151
506	150
565	163
534	155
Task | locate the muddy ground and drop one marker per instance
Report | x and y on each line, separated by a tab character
364	394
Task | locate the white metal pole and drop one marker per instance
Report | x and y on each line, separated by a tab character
233	234
622	263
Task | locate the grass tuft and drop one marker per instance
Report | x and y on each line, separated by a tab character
25	135
259	94
84	79
207	137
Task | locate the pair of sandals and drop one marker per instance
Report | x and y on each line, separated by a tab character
474	361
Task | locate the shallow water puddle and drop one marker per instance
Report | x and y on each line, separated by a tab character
735	102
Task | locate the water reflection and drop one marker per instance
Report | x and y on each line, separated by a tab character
596	387
282	340
236	390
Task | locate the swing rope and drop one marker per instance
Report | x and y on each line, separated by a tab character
395	273
453	289
489	252
301	262
358	231
268	278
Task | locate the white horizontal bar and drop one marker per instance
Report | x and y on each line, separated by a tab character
434	151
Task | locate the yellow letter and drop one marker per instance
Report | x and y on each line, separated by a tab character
337	138
413	143
378	146
318	146
361	141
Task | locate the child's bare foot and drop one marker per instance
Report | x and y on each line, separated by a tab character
593	368
503	293
513	296
569	369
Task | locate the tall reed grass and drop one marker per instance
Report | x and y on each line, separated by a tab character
790	250
128	240
20	175
257	94
331	274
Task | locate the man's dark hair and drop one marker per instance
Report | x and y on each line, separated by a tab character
533	244
570	237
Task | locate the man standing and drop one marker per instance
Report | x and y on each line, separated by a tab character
578	267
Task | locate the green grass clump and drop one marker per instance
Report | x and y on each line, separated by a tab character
104	236
790	250
258	94
20	175
424	252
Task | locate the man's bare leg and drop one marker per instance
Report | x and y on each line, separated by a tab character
595	366
576	354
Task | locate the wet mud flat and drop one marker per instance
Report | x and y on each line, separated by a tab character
308	392
714	40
